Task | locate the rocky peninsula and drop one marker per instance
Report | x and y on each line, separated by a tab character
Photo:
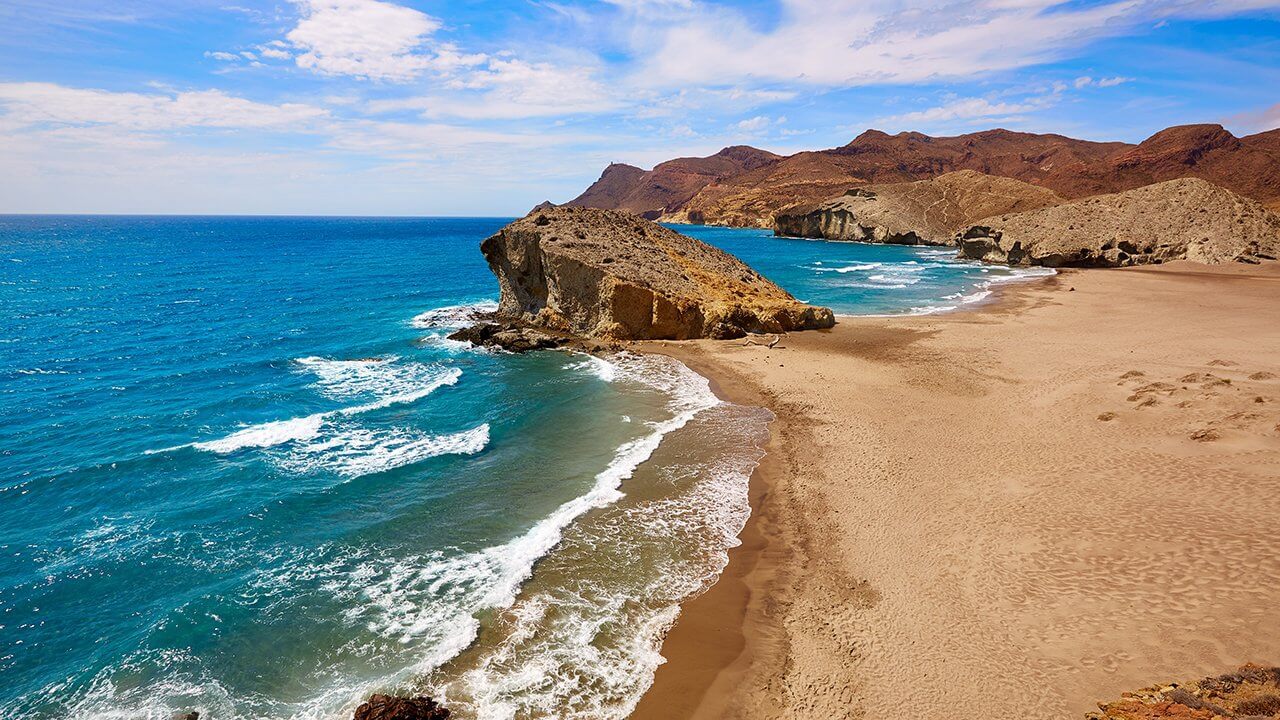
580	273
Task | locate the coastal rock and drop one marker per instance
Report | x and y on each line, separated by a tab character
1187	219
925	212
390	707
603	274
509	336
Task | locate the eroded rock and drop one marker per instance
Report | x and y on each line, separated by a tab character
587	273
926	212
1187	219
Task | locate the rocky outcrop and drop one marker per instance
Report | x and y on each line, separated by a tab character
925	212
750	195
668	185
390	707
590	273
1186	219
1250	693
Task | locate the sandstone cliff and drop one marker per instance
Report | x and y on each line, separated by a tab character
604	274
1187	219
668	185
1072	168
925	212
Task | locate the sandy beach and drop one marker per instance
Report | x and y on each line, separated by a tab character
1011	511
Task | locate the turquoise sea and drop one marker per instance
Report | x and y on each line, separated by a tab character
243	472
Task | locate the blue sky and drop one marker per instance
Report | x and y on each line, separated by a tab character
446	107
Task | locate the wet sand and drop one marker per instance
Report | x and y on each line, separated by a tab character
1011	511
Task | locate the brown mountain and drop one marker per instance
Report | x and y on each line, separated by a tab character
1072	168
669	185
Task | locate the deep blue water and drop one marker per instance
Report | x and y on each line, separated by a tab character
241	471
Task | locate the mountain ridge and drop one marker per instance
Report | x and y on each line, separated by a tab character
745	186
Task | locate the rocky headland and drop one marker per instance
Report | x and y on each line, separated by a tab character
924	212
1187	219
572	274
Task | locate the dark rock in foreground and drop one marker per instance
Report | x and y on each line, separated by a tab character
389	707
599	274
510	336
1186	219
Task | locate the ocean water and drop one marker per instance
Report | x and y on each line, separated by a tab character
243	472
863	278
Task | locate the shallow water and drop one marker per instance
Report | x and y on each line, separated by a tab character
243	472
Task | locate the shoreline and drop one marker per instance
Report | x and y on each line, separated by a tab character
754	645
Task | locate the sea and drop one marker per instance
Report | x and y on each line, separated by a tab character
244	472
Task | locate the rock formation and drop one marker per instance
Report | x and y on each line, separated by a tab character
925	212
1186	219
690	190
610	275
390	707
753	198
668	185
1252	692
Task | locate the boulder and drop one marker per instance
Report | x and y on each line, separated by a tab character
390	707
1186	219
610	275
925	212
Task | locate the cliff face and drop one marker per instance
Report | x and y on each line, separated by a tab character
925	212
668	185
1187	219
604	274
1072	168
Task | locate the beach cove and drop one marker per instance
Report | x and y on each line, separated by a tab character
1015	510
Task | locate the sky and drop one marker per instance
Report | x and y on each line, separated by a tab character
470	107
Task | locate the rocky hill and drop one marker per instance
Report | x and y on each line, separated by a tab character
753	198
591	273
924	212
1249	166
669	185
1185	219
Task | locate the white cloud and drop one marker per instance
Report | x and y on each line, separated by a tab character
46	104
1086	81
365	39
966	109
223	56
850	43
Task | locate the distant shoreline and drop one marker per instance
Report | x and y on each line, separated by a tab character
944	516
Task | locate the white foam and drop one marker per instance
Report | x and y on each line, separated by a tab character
453	316
356	452
339	378
857	267
266	435
597	366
